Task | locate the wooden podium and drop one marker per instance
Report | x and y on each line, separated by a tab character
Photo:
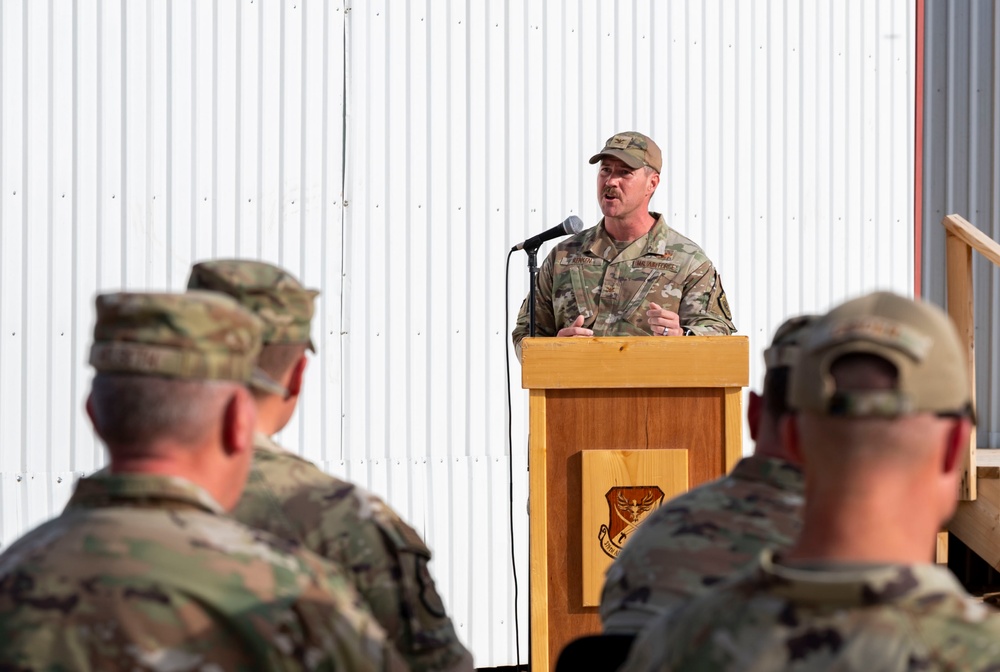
617	394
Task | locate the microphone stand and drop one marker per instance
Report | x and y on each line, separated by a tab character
532	277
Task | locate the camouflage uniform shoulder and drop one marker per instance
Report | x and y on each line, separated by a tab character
854	617
128	579
384	557
700	539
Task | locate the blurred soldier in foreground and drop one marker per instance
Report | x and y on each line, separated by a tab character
143	570
292	498
707	534
884	411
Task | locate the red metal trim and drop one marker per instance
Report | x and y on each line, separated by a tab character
918	153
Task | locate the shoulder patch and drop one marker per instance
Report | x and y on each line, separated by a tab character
723	303
656	265
580	260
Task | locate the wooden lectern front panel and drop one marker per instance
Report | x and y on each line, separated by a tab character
620	419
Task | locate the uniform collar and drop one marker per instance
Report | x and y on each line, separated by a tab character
141	490
264	442
653	243
772	471
855	585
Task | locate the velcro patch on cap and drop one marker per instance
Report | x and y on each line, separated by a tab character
656	265
132	357
579	260
902	337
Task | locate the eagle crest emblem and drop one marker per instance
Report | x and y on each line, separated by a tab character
628	506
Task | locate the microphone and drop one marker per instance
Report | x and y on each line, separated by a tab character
571	224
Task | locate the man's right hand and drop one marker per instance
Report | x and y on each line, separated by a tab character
576	329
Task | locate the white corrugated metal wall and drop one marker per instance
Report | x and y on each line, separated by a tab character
961	139
390	154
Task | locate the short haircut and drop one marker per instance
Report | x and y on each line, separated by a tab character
276	359
776	391
132	410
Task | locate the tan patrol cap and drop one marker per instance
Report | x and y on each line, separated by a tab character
269	292
918	338
192	336
632	147
786	346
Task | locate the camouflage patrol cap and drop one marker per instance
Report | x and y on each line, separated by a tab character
269	292
632	147
195	335
918	338
787	342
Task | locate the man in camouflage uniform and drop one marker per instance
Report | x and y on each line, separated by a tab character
143	570
884	413
292	498
631	275
707	534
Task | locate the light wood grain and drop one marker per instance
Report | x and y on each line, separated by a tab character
977	523
960	308
538	591
604	470
733	431
635	362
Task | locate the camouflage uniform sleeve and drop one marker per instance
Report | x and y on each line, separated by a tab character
397	585
545	318
704	308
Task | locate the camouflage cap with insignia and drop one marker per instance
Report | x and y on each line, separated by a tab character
787	342
269	292
918	338
634	148
193	336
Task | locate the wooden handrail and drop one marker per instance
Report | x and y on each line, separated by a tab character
973	237
961	238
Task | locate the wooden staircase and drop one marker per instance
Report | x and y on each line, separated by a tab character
977	520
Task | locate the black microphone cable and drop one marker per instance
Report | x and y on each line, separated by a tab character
510	456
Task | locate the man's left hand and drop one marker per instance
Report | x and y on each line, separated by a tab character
663	322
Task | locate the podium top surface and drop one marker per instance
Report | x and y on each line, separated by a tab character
635	361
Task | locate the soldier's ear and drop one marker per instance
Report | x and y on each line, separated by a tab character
294	385
957	440
754	404
238	422
89	406
790	437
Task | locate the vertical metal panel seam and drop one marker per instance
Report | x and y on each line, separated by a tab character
260	130
281	133
344	237
193	172
149	196
467	398
449	202
323	234
238	129
429	325
25	190
408	105
949	137
123	175
168	111
98	159
303	181
972	118
50	226
74	309
216	224
800	144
